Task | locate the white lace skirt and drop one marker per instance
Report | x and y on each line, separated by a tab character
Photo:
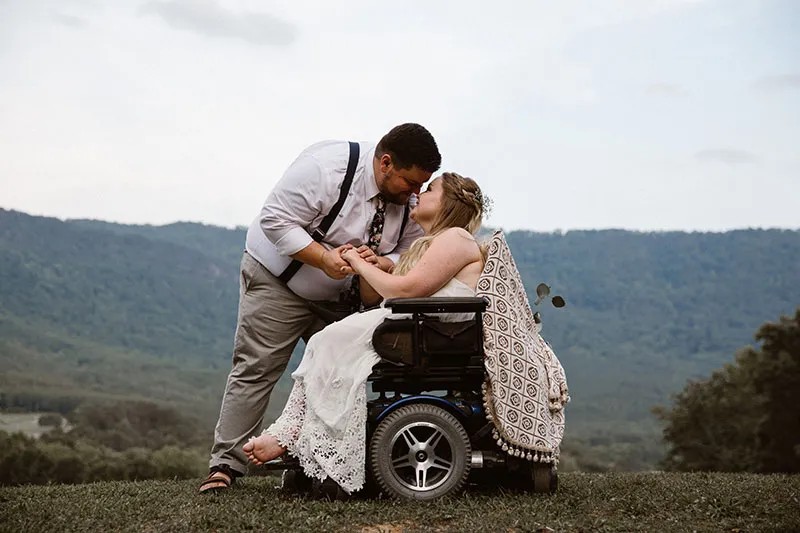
324	421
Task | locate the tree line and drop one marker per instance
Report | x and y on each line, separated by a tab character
122	441
746	416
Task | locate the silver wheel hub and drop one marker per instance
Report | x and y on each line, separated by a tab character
422	456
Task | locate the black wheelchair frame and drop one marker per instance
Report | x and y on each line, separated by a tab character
427	431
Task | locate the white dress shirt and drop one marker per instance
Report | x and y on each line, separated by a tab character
304	195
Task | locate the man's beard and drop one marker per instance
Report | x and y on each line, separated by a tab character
400	198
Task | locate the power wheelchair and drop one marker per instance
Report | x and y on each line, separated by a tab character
427	431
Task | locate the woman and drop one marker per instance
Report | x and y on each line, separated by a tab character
324	421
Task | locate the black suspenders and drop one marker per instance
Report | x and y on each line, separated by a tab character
327	222
406	211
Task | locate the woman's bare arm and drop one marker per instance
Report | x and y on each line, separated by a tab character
447	255
369	296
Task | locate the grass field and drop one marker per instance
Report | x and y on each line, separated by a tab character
584	502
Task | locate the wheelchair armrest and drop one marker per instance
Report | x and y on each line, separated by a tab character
460	304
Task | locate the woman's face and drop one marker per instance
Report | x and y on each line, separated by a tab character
429	202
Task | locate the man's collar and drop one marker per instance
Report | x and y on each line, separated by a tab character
370	187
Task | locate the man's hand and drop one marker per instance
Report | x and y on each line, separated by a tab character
352	258
384	263
333	264
367	254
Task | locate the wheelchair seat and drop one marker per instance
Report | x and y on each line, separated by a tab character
423	352
442	343
424	338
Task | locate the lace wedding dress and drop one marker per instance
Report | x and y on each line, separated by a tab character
324	421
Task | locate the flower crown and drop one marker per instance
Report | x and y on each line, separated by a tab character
484	202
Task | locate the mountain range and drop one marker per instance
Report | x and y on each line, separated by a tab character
92	311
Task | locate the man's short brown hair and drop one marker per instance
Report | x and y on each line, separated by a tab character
410	145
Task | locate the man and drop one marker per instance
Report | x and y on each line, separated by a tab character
292	264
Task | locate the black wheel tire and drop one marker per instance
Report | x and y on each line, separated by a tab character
296	481
545	478
420	452
517	474
328	489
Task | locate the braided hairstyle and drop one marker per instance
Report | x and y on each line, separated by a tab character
463	206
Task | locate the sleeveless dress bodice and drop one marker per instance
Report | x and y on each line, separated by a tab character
453	288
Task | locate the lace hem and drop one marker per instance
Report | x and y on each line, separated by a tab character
323	452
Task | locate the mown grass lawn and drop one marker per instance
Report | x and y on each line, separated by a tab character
584	502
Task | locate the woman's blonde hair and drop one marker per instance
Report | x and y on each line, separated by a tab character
462	206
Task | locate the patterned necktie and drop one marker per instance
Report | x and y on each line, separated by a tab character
375	235
376	228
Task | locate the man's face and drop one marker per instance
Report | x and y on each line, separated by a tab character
396	184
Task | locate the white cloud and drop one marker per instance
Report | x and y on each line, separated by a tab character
669	90
209	18
729	156
69	20
778	83
128	119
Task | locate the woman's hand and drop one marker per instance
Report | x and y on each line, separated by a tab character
367	254
354	259
364	255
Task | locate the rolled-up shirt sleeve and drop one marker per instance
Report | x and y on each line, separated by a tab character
293	204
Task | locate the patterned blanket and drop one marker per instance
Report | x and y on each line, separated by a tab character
526	389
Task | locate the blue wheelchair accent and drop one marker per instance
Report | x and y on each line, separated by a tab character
422	398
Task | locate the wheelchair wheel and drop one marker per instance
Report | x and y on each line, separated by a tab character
420	452
519	474
545	478
328	489
296	481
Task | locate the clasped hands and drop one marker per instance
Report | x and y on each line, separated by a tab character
344	260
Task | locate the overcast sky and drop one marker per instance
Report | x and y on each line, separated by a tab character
638	114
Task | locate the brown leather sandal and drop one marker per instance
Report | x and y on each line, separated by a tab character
220	477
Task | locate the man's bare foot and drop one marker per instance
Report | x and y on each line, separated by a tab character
262	449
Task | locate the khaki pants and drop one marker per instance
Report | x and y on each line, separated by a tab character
270	322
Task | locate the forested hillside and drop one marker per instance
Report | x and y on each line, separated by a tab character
92	310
